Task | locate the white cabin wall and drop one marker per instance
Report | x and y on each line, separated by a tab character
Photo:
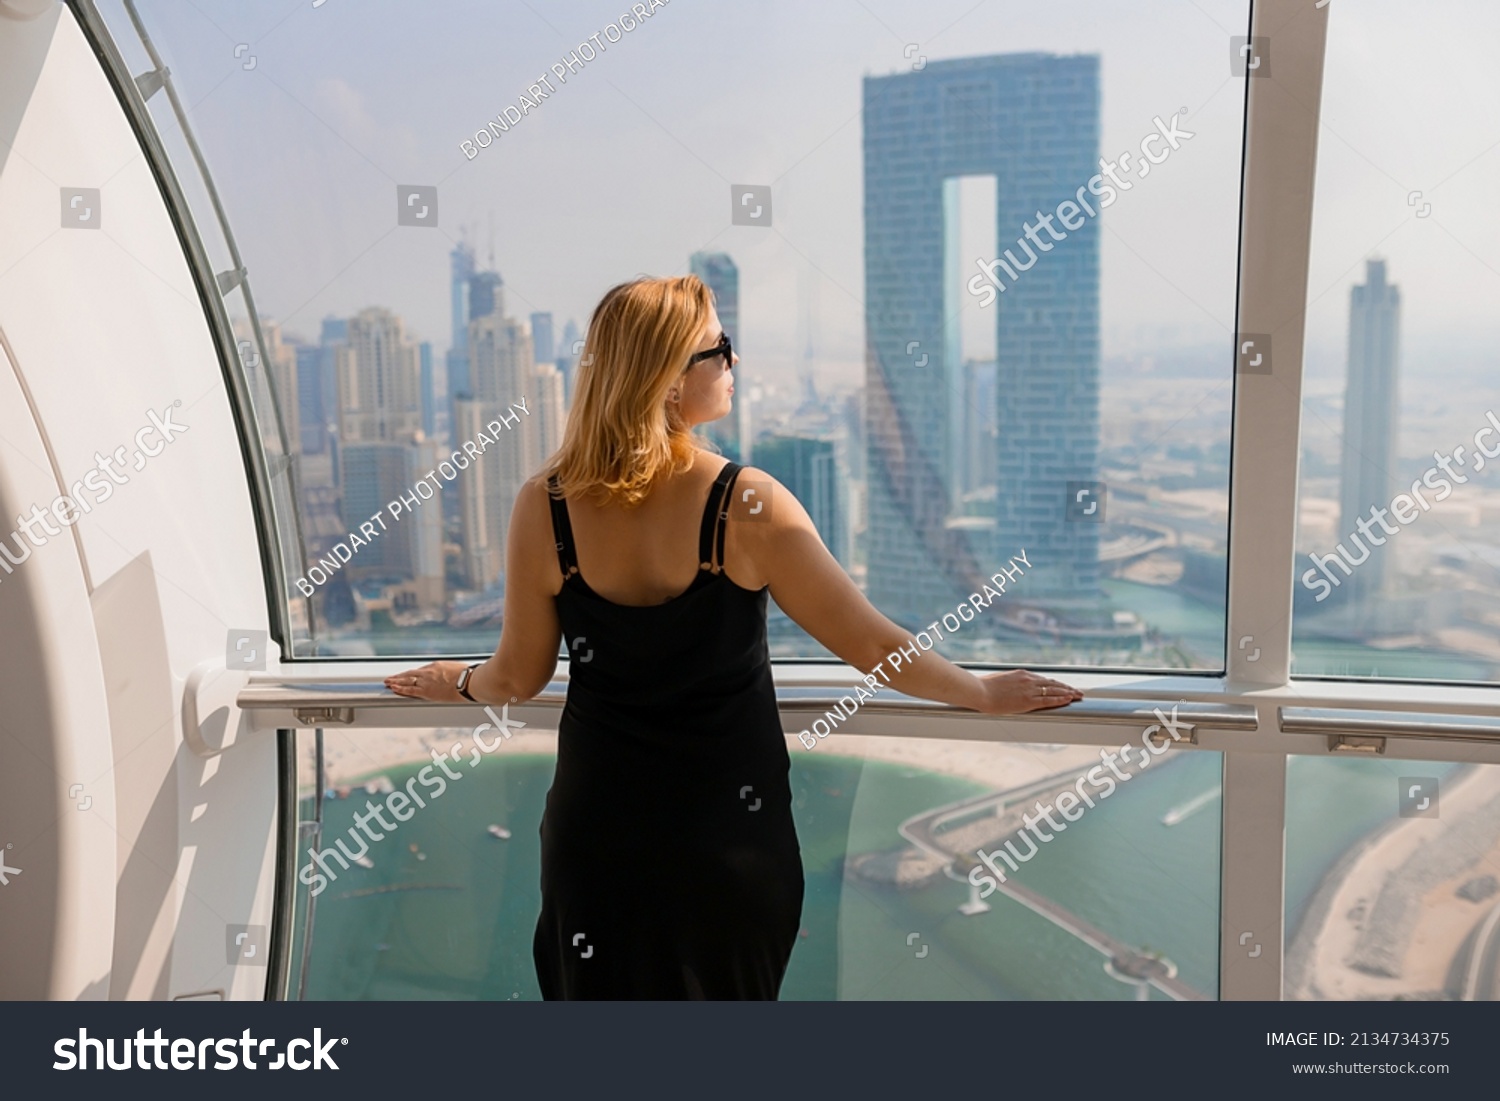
106	326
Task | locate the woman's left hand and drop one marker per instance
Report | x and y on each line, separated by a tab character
437	681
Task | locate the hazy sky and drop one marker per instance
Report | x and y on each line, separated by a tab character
627	167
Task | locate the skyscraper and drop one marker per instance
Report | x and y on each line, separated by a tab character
380	391
333	335
409	554
980	460
1370	420
486	294
541	337
809	468
1032	122
732	433
504	373
374	475
461	270
567	357
548	415
311	416
383	452
427	383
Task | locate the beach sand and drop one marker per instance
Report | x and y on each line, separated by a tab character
1387	921
357	755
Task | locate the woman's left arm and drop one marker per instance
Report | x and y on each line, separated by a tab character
530	633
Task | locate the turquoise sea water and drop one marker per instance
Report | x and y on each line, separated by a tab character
455	918
1198	629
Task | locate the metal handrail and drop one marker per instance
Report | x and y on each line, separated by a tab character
310	694
334	699
1395	724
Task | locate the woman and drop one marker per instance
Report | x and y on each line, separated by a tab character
670	864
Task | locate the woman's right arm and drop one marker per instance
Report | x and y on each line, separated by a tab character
810	586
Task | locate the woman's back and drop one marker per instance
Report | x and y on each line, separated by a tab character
648	554
672	768
653	624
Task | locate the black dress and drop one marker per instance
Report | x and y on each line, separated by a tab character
670	863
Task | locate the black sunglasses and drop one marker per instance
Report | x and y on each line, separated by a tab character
723	348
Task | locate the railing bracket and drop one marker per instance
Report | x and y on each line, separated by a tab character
324	716
1356	743
1162	737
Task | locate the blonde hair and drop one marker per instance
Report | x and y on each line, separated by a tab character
620	437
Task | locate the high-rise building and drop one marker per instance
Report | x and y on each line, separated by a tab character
409	553
380	391
333	334
383	452
541	337
429	584
431	403
500	348
480	504
980	455
567	357
312	419
548	414
732	433
808	467
1032	122
1370	422
374	475
504	373
486	295
461	270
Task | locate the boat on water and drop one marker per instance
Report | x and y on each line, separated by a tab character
499	831
364	862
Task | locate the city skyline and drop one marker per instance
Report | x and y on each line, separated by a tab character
957	435
386	397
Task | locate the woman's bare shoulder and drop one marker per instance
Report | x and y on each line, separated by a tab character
532	503
779	506
707	465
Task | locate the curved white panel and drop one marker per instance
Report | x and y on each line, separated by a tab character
57	806
110	340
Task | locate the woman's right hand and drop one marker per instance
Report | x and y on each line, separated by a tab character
1017	691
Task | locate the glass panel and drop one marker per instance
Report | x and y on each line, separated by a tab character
1083	419
442	906
1392	880
1125	889
1399	534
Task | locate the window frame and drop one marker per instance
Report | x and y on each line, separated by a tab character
1276	208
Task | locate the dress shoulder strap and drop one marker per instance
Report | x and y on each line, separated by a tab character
562	529
724	516
715	512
